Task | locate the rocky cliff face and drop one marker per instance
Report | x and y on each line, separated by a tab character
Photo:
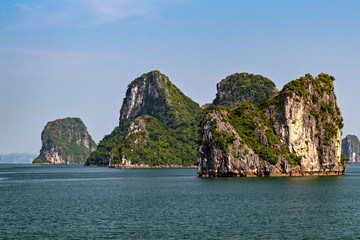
65	141
158	126
143	93
351	148
296	132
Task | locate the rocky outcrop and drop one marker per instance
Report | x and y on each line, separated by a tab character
65	141
158	125
137	135
230	157
296	132
351	149
243	87
142	93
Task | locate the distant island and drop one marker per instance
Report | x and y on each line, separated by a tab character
17	158
65	141
350	148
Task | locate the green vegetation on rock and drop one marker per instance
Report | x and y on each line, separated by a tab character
158	126
249	120
244	87
41	160
164	145
100	156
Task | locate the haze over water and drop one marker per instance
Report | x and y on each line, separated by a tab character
75	202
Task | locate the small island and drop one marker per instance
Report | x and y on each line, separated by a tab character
350	147
293	132
65	141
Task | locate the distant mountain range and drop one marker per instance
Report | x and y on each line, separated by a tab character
17	158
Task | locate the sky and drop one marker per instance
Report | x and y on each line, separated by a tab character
75	58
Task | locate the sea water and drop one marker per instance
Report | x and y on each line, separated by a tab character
76	202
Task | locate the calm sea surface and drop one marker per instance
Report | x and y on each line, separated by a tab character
75	202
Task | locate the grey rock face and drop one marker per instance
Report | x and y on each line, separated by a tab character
146	89
304	117
305	135
240	160
351	148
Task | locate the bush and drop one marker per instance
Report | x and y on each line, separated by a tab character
315	98
330	132
294	160
222	144
268	155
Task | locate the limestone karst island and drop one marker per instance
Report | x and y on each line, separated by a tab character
250	129
158	126
296	131
350	147
65	141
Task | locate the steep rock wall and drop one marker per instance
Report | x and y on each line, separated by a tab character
142	92
297	132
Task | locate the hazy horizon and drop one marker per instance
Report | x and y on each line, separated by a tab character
75	58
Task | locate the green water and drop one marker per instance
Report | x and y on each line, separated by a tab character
75	202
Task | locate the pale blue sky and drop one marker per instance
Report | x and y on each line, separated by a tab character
76	57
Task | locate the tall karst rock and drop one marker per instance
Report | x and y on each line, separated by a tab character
158	126
65	141
351	148
295	132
